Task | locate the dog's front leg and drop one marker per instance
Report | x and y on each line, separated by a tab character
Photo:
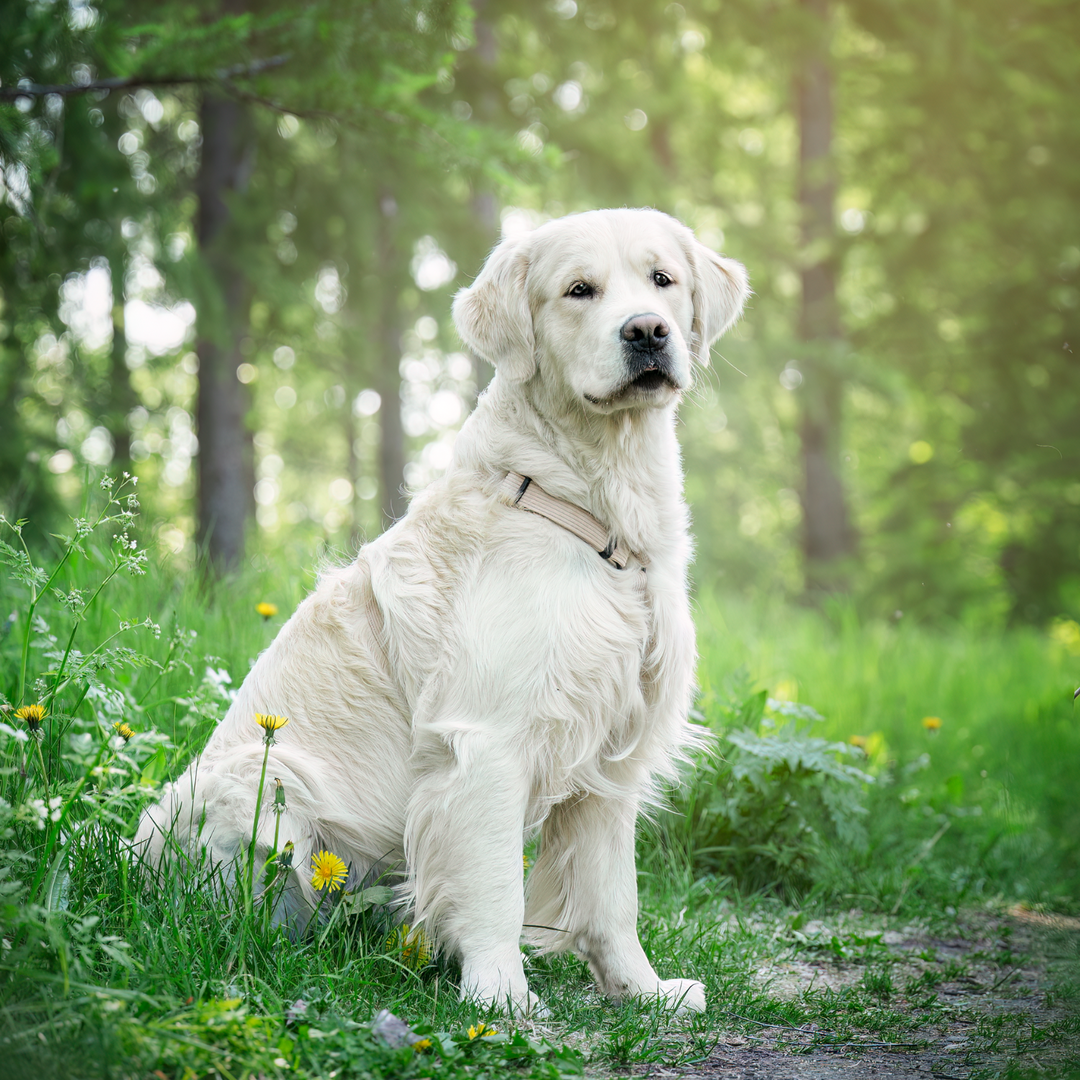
582	895
463	847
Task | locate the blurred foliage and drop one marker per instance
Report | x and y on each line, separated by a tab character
393	141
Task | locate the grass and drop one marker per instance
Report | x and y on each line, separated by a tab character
132	977
999	772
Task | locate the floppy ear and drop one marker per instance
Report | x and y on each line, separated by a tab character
721	287
492	315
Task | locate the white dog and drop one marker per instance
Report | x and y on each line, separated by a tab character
481	671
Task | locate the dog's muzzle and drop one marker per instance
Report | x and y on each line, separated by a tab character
645	345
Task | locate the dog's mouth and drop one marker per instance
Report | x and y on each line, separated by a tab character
651	380
650	376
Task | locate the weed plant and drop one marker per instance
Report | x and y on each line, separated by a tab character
764	802
114	670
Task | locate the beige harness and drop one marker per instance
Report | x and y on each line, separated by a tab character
524	493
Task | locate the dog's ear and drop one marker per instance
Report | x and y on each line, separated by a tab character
492	315
721	287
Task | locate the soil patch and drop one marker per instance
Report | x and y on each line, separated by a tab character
997	997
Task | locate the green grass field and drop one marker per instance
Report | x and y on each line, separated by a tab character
107	972
1000	768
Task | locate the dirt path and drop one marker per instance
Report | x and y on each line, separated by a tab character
998	997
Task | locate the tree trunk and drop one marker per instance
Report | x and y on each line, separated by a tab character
226	469
122	398
388	367
828	536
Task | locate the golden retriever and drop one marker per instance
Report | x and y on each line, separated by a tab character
481	672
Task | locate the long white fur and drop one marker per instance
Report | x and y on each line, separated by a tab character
523	683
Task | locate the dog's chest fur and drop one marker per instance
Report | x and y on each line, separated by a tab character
563	651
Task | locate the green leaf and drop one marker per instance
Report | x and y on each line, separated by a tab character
156	769
372	896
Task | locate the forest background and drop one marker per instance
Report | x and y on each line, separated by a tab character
230	238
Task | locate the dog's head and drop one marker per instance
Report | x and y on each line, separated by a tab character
616	303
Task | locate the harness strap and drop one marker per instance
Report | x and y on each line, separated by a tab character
526	494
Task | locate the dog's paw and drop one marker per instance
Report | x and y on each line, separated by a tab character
681	996
501	986
520	1006
530	1007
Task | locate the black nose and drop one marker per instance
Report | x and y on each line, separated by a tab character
645	333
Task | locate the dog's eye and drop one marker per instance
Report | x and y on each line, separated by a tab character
580	289
661	279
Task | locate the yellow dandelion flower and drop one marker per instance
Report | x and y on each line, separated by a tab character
329	870
482	1031
931	723
123	730
266	609
32	715
859	741
421	1045
270	723
413	944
